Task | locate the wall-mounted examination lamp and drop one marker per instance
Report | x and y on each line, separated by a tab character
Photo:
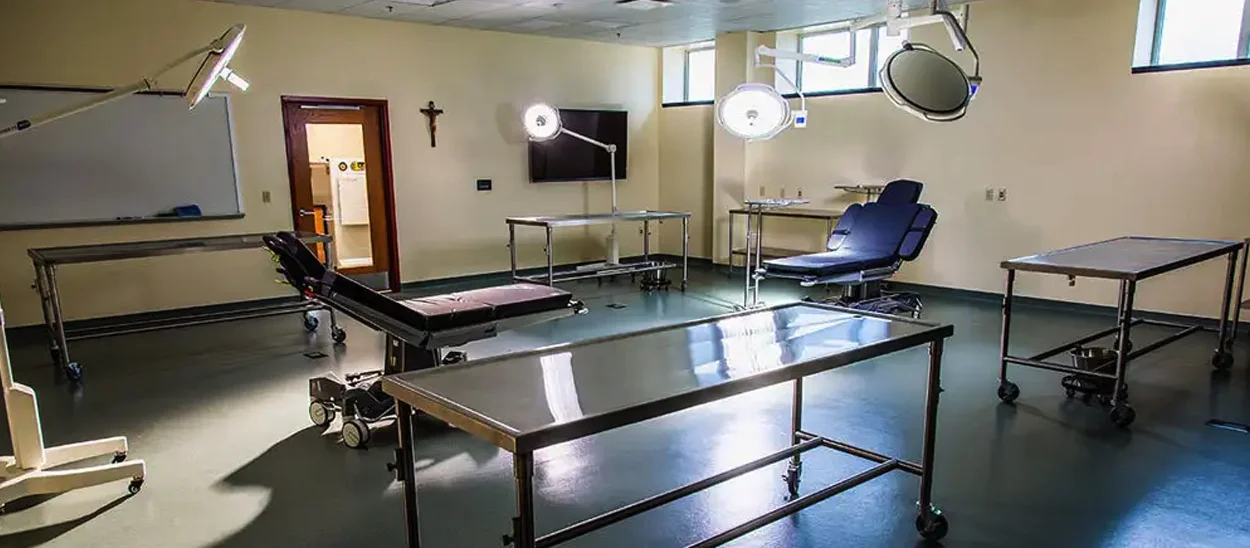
542	123
217	56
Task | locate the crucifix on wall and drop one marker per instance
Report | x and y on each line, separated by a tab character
431	112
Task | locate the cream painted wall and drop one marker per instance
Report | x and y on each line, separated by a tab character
686	172
1086	149
446	227
342	141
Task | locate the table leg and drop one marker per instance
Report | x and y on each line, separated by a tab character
551	264
928	513
746	263
523	535
759	259
1121	413
405	472
1241	286
1223	357
1007	391
646	240
70	368
512	249
332	260
45	306
794	471
731	243
685	252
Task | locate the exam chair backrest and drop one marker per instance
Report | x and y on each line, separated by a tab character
298	263
896	224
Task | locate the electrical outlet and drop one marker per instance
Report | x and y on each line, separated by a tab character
265	197
989	194
800	192
1002	195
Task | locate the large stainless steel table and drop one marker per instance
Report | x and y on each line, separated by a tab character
525	402
46	261
1129	260
646	265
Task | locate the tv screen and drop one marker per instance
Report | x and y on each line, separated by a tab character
567	158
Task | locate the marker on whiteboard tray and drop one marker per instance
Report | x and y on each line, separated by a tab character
129	218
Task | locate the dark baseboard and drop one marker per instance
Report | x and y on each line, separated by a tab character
505	276
38	332
1049	304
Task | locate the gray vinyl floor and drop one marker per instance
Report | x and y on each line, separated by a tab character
219	414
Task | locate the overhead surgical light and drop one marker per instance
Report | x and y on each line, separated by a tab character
757	112
542	123
754	112
217	65
218	54
922	81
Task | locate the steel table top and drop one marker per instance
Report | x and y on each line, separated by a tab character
1124	258
755	204
526	401
583	219
155	248
798	213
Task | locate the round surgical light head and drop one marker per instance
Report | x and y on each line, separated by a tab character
753	111
542	122
215	64
927	84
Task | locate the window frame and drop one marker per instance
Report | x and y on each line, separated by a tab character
685	74
1159	11
874	55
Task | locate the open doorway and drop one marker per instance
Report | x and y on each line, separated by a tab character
339	161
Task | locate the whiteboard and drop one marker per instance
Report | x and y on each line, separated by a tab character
127	160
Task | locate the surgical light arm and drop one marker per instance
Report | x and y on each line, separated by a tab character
765	51
144	84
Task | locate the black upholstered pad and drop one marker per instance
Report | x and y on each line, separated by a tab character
440	312
433	313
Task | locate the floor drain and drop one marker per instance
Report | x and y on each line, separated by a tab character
316	355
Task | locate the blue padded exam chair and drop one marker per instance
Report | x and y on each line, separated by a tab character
868	246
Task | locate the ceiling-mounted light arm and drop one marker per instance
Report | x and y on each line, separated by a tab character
895	23
223	47
765	51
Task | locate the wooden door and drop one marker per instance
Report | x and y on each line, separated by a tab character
371	117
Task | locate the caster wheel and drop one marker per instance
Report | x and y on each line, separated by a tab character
73	372
339	335
792	477
135	486
1123	415
119	457
1070	393
1008	391
1222	360
320	413
311	322
932	527
355	433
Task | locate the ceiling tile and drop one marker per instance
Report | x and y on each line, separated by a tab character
685	21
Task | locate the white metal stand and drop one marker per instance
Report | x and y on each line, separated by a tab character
27	472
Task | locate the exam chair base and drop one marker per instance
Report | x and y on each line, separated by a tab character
19	483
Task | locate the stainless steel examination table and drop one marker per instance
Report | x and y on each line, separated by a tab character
525	402
646	266
46	261
1129	260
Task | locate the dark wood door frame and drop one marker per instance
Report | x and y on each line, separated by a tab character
387	171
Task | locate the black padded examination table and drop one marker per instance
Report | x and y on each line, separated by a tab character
418	330
1129	260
